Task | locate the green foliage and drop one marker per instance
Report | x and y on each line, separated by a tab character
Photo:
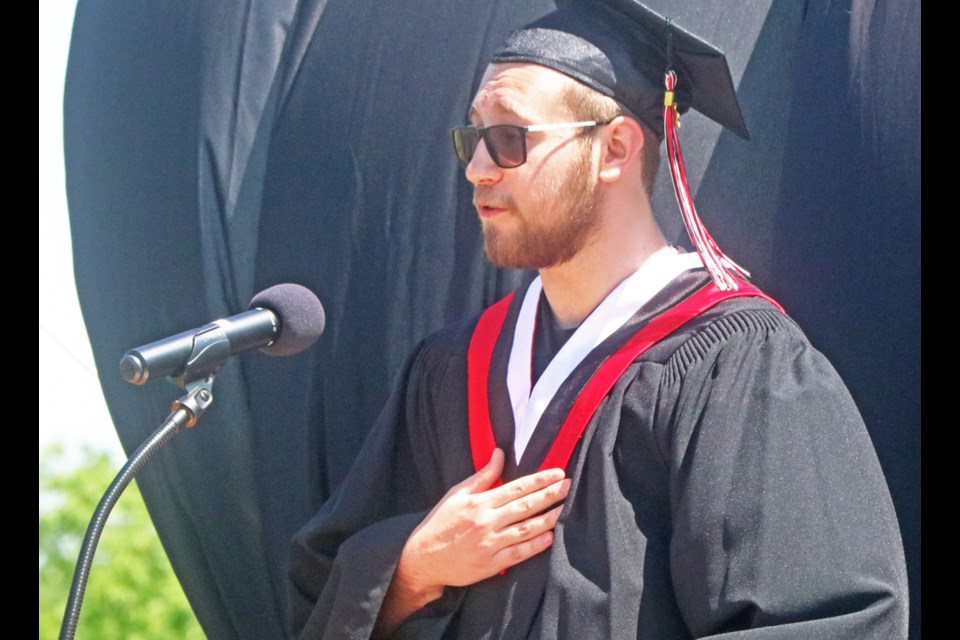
132	592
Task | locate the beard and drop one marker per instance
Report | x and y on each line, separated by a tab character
566	219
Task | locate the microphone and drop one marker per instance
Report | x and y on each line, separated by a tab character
281	321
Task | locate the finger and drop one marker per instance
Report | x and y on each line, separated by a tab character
483	479
524	486
517	553
532	504
529	528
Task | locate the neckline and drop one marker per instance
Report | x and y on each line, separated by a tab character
528	401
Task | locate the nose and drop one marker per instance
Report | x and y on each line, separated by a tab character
482	169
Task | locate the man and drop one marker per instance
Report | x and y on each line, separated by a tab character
676	460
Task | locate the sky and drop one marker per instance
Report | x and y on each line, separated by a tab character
73	412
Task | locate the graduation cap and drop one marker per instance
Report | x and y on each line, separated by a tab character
652	66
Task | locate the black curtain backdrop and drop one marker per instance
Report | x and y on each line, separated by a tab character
214	148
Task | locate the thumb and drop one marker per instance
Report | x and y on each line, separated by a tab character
488	475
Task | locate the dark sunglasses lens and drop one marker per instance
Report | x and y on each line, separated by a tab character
465	140
505	143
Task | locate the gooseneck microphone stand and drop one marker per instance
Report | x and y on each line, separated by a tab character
185	413
192	360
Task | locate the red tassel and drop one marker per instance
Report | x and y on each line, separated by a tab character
723	270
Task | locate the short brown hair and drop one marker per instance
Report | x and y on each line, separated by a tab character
586	104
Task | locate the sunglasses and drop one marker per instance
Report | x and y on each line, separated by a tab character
506	143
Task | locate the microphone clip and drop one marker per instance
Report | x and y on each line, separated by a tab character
211	350
197	400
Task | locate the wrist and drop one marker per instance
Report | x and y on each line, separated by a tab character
415	588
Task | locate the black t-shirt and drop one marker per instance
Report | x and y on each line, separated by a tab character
548	338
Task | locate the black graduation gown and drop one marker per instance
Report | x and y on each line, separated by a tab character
725	487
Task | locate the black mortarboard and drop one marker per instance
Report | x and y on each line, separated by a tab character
622	49
652	66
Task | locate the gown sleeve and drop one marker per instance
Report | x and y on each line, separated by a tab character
783	526
342	561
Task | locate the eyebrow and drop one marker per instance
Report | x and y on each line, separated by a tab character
499	104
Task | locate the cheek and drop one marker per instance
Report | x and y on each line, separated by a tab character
544	186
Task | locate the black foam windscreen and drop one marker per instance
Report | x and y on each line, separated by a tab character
301	317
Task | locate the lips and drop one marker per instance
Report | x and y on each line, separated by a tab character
488	206
487	210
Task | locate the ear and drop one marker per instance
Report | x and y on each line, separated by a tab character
622	141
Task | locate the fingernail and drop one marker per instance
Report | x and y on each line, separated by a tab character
565	486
